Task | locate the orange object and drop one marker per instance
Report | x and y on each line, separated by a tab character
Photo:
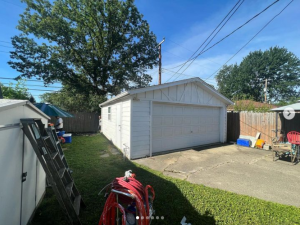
260	143
51	124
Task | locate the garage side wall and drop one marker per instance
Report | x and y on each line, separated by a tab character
110	127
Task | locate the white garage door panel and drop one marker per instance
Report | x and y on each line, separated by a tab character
180	126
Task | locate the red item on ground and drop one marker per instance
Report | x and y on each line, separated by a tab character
138	203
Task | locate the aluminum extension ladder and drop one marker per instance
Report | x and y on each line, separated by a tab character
50	154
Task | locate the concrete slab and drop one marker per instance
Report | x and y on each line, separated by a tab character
233	168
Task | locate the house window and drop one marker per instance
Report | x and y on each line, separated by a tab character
109	113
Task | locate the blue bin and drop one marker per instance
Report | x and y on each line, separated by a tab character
68	138
243	142
61	133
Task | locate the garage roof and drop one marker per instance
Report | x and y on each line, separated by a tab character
6	104
166	85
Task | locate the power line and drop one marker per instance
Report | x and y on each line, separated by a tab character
189	50
6	78
6	46
32	85
181	58
251	39
231	32
13	4
205	40
6	42
212	38
170	71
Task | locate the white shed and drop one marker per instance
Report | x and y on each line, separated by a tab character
18	200
171	116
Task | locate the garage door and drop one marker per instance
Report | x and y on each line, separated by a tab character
177	126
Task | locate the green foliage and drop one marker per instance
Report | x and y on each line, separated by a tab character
19	91
174	198
70	100
278	65
101	46
289	102
250	107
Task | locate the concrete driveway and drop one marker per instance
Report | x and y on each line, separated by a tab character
233	168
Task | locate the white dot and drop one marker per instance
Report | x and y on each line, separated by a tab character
147	217
137	217
162	217
157	217
142	217
152	217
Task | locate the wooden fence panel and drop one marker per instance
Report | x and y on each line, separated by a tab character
83	122
249	123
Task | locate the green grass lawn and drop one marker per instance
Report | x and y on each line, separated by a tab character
174	198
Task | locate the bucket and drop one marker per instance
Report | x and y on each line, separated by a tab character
260	143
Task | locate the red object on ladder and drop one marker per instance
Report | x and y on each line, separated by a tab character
130	198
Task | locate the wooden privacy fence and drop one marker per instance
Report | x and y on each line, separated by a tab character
249	123
83	122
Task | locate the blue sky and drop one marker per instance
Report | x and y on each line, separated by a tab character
185	24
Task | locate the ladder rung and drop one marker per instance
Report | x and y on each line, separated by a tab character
77	204
54	154
57	142
69	188
61	172
46	137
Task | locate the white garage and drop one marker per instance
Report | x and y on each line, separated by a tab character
155	119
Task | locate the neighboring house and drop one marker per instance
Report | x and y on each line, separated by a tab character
249	104
18	200
175	115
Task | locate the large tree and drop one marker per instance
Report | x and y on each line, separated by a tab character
102	46
247	80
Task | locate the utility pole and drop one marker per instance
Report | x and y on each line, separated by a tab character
266	86
159	63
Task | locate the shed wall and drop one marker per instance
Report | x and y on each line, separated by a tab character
18	200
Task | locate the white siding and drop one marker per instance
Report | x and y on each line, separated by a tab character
11	161
140	129
190	93
110	127
137	118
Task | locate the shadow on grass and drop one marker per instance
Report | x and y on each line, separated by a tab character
92	172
